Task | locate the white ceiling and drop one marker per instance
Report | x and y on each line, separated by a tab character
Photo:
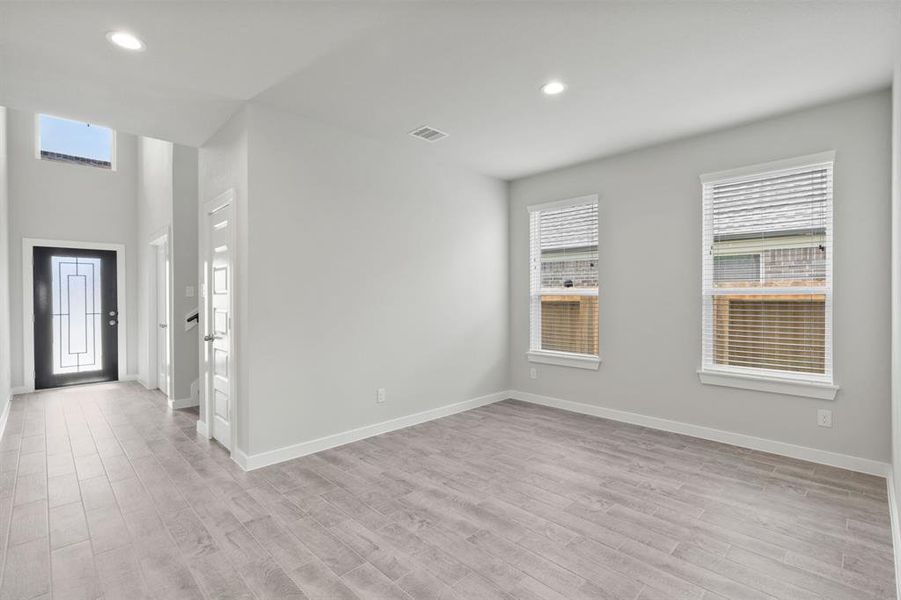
638	72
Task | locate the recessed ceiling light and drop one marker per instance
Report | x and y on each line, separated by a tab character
126	40
552	88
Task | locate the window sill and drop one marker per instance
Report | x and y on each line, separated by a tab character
777	385
564	359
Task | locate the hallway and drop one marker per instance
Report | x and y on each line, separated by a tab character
86	466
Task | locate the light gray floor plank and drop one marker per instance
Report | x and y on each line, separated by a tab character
67	525
27	571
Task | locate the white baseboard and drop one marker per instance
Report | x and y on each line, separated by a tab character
22	389
896	529
176	404
130	377
243	460
271	457
203	430
824	457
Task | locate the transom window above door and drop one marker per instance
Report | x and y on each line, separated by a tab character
563	271
75	142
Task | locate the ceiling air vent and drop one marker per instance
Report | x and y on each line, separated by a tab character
428	134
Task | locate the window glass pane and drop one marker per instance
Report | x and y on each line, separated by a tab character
736	268
576	267
72	141
568	242
77	316
798	263
565	279
569	323
780	261
771	332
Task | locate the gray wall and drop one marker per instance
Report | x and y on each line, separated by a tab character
650	279
369	266
183	250
60	201
4	269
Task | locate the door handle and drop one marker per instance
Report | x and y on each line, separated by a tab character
163	325
210	338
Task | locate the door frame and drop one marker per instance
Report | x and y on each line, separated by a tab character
156	240
204	427
28	245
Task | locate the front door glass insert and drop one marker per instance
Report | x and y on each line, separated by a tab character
77	315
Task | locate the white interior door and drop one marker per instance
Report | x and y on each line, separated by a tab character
218	322
162	316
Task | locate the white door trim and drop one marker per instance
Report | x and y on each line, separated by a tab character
204	424
157	239
28	245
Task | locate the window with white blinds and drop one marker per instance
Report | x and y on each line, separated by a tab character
564	279
767	271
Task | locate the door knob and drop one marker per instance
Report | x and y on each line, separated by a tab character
163	325
210	338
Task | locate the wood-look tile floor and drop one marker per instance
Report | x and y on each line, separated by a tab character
104	492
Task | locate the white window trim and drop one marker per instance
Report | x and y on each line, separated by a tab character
811	386
569	202
37	143
550	357
797	162
769	383
564	359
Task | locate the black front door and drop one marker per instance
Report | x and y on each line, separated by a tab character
76	317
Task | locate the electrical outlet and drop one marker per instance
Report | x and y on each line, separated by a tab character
533	373
189	291
824	417
380	395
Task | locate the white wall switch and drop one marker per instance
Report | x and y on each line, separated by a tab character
533	373
189	291
380	395
824	417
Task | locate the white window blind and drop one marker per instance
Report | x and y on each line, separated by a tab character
564	277
767	271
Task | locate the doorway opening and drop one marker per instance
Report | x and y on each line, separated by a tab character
159	313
